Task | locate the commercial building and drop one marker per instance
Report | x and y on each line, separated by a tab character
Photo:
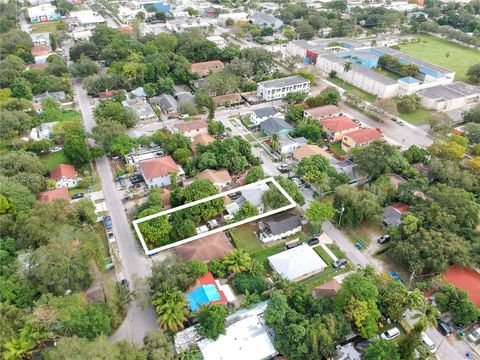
449	97
359	138
297	263
87	19
278	88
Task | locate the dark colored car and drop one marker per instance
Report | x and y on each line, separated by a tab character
77	196
292	245
107	222
443	327
136	179
383	239
125	284
339	263
313	241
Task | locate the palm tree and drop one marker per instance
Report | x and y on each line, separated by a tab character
237	261
171	307
346	68
415	299
274	142
427	315
16	348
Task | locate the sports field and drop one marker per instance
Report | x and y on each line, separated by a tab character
443	53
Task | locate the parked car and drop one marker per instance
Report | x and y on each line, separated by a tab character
110	237
56	149
339	263
427	343
183	116
136	179
390	334
283	168
78	196
125	284
312	242
443	327
297	181
383	239
107	222
400	123
292	244
362	345
474	336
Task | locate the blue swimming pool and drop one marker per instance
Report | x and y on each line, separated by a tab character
204	294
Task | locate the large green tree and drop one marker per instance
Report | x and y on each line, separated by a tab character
378	159
212	320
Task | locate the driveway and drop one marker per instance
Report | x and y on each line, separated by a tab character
133	260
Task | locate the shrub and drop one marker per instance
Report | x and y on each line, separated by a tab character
196	268
217	268
246	282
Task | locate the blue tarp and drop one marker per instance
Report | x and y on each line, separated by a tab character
204	294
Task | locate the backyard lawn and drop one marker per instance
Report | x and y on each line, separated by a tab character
354	90
52	160
435	50
245	238
71	115
50	26
419	117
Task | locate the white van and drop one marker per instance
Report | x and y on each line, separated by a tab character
390	334
428	343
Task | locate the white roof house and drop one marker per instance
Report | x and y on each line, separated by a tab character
247	337
297	263
87	18
253	195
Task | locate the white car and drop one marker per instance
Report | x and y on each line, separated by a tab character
297	181
390	334
56	149
428	343
474	335
183	116
111	237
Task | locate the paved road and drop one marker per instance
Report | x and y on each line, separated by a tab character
133	262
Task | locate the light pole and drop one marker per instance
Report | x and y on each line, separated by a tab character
341	214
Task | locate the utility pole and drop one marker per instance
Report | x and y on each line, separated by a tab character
341	214
411	278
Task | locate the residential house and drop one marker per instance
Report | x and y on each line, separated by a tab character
192	128
297	263
322	112
246	337
166	102
156	172
217	40
57	95
203	139
204	292
308	150
329	289
64	176
392	215
266	20
253	194
359	138
220	178
142	108
40	53
207	67
237	16
261	114
335	127
275	125
139	92
87	19
50	195
279	88
227	100
279	226
205	249
104	95
288	144
42	131
43	13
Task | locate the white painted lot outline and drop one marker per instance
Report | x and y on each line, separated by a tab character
290	205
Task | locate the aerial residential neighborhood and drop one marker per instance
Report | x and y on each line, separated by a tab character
290	180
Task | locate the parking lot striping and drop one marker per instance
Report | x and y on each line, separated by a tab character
135	223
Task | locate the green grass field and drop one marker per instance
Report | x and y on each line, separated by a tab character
418	117
245	238
52	160
435	50
50	26
71	115
352	89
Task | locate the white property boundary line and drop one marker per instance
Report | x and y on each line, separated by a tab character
135	223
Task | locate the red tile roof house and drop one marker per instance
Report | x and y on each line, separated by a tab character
64	176
157	172
465	279
335	127
359	138
207	67
40	53
50	195
392	215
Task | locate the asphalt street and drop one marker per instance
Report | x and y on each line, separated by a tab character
133	261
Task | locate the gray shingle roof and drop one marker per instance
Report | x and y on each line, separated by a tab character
265	111
283	222
275	125
286	81
260	18
165	101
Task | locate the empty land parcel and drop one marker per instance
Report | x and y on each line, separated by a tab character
443	53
